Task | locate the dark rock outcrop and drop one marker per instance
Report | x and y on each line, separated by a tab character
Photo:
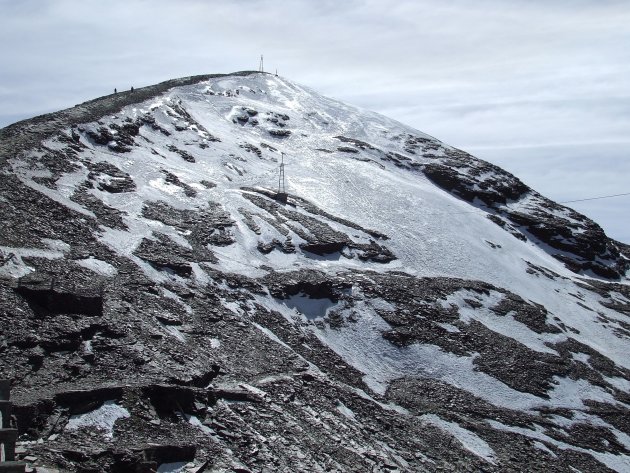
583	246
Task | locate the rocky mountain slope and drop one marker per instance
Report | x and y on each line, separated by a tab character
408	308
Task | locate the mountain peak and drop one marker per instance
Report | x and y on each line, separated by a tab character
403	292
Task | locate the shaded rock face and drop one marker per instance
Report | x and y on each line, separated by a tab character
210	226
160	305
319	238
109	178
162	253
490	191
118	138
582	243
55	301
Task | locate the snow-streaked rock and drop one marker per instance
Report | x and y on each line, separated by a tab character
408	307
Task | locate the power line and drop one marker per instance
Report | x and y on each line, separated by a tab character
487	211
593	198
558	202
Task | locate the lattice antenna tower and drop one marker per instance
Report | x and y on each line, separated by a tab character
260	67
281	181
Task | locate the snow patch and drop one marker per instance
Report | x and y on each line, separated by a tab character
619	463
448	327
174	332
194	420
470	441
502	324
544	448
102	418
58	245
98	266
15	268
346	411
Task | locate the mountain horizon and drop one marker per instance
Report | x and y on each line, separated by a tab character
393	304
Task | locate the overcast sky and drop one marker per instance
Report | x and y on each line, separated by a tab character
539	87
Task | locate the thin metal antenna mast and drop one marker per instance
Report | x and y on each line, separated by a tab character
260	67
281	184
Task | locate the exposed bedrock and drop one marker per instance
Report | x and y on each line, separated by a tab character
568	236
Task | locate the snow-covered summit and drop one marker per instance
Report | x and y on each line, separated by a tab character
406	274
